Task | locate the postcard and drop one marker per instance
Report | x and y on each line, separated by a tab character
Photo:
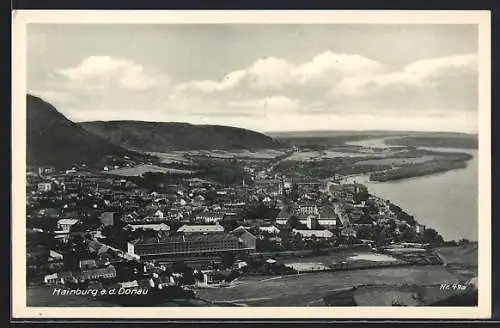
279	164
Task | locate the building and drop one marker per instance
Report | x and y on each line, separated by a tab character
270	229
314	233
159	214
150	226
87	264
419	228
210	216
108	218
94	274
308	208
66	224
44	186
186	246
80	276
44	170
207	228
55	255
245	237
327	218
284	215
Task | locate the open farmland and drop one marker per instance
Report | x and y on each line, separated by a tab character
318	155
172	157
340	255
310	288
237	153
139	170
459	254
396	161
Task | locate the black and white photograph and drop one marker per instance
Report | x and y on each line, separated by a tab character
330	164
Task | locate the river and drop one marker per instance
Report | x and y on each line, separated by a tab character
446	202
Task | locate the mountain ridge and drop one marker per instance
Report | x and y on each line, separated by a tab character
53	139
168	136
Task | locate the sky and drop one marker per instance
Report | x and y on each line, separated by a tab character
261	77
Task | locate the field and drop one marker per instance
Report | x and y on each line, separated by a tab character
411	295
319	155
243	153
183	156
340	255
310	288
459	255
431	140
461	260
323	262
139	170
396	161
173	157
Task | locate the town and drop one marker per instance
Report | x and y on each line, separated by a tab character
86	226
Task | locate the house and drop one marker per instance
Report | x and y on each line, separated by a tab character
44	186
348	231
308	208
327	217
49	212
55	255
419	228
66	224
149	226
87	264
314	233
211	277
210	216
207	228
57	278
198	200
159	214
365	220
270	229
245	237
267	200
108	218
283	216
310	221
97	247
95	273
43	170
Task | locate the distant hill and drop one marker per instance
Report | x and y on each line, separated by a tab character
166	136
52	139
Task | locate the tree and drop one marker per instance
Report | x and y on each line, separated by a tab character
294	192
432	237
228	260
408	234
187	272
294	222
362	195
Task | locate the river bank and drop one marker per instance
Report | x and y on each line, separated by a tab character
445	201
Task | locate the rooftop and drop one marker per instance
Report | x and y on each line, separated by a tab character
177	238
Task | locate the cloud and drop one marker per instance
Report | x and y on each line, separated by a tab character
423	74
276	74
325	88
229	81
270	73
99	72
330	66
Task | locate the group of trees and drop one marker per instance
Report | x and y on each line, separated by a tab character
384	234
227	172
259	211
